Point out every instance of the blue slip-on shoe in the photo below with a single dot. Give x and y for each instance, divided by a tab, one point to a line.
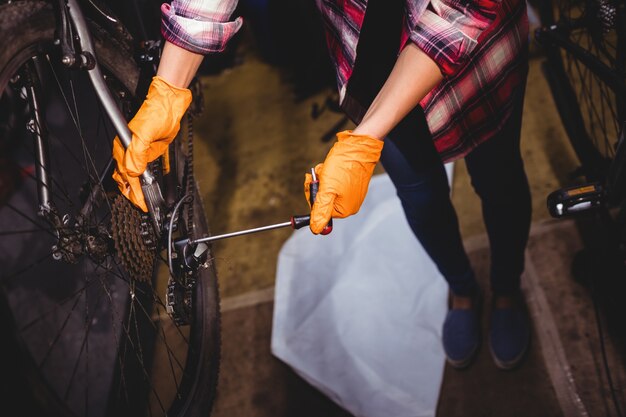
461	334
509	335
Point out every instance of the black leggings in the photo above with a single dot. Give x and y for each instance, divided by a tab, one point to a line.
497	174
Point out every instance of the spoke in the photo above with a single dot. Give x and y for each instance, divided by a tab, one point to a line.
84	345
605	123
64	194
586	95
78	126
86	154
162	304
169	356
37	163
132	320
31	323
75	367
137	356
7	279
115	318
87	329
106	217
120	275
108	134
120	358
67	103
169	350
69	150
603	52
58	335
597	101
609	98
76	121
28	231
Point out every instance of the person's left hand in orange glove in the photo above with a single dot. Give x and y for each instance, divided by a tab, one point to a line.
153	128
344	177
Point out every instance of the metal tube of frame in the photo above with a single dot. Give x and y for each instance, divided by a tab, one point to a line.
95	75
36	126
152	192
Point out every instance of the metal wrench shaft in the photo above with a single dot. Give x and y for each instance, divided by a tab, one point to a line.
242	232
295	223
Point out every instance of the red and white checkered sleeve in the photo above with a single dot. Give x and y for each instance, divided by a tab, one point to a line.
200	26
448	30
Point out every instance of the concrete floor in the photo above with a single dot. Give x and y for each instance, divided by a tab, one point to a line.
254	143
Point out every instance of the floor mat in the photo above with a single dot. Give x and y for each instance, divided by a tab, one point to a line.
359	313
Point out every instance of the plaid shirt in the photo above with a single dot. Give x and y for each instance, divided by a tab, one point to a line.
200	26
479	93
479	45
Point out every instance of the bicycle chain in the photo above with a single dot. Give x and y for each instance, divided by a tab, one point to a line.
136	242
179	295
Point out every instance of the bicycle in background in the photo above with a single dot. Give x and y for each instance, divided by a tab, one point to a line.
585	46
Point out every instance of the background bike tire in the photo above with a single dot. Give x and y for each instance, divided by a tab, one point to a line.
27	23
595	157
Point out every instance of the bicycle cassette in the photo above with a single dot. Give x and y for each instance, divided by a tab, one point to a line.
134	237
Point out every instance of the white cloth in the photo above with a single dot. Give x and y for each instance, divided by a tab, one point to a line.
358	313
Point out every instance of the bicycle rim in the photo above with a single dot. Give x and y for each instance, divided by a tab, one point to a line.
99	340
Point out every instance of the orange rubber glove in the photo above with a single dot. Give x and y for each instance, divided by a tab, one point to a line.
153	128
344	177
129	186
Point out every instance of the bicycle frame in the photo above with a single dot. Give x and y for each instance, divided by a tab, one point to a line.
86	59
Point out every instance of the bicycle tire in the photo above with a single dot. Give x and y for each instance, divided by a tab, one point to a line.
118	360
592	112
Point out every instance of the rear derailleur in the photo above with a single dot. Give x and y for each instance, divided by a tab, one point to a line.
184	260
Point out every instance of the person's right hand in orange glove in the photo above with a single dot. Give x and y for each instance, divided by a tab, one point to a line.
153	128
344	177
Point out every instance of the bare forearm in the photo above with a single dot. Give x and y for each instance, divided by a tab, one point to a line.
413	76
178	66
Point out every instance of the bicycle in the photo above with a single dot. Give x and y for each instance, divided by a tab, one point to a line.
584	42
107	317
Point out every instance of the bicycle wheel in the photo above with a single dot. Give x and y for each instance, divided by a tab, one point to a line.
93	338
584	42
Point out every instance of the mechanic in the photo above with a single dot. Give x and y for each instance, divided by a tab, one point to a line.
426	82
